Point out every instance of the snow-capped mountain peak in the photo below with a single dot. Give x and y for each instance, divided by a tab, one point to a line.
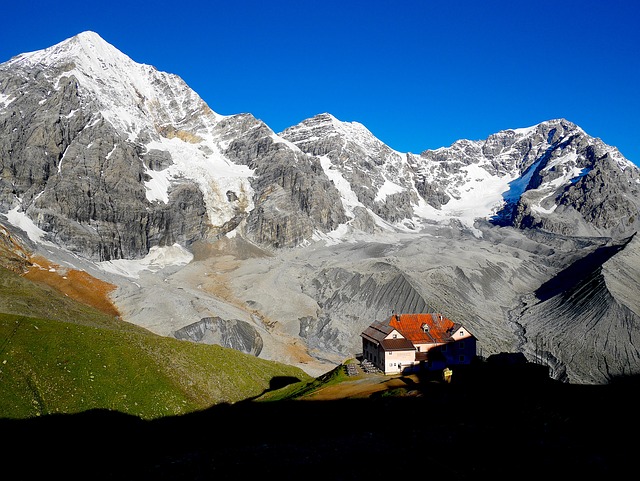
132	95
190	171
514	176
87	47
325	125
118	119
367	172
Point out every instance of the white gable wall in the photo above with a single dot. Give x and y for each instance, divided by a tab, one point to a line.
461	333
395	334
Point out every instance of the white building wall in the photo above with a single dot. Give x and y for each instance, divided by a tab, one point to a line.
396	360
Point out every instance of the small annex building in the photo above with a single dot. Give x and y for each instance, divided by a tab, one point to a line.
413	342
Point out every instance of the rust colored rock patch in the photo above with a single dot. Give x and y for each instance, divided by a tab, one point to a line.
78	285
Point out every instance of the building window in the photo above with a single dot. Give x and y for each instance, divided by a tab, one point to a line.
390	352
395	336
461	332
461	344
444	348
461	358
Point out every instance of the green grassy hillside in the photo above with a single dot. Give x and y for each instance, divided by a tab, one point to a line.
61	356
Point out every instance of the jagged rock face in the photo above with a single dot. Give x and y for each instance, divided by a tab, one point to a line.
84	186
567	185
78	176
377	175
13	254
235	334
293	195
543	176
588	205
33	140
111	157
614	211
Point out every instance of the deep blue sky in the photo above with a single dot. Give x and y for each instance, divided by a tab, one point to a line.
418	74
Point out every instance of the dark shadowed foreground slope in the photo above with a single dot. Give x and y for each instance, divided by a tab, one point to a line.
500	424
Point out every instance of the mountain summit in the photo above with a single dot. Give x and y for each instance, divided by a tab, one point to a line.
131	95
96	145
294	242
85	109
515	177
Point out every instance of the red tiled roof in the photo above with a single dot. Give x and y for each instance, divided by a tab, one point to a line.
410	326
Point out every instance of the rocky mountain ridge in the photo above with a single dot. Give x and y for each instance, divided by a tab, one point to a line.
216	229
515	177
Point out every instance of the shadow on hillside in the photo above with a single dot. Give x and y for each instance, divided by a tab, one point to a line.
276	382
494	423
